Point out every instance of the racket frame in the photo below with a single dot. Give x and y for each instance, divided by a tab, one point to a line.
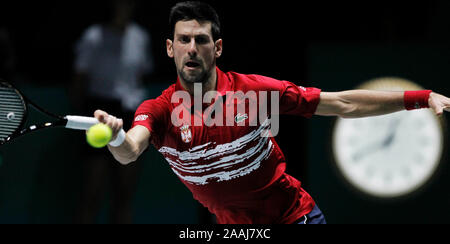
22	129
69	121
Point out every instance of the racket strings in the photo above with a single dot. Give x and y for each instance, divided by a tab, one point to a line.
12	111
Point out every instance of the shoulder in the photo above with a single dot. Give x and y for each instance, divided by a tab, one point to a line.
93	33
158	105
138	31
254	82
138	28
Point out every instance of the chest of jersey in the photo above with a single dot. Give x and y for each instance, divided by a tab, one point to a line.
230	143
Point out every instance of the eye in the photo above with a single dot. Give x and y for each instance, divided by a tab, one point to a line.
184	39
202	40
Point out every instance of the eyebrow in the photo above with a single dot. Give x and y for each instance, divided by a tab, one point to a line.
197	35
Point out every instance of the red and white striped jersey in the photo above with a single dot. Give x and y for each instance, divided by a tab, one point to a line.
237	171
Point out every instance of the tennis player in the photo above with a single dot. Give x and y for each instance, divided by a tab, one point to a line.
237	171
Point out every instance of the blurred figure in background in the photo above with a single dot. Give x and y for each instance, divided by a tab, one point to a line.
111	60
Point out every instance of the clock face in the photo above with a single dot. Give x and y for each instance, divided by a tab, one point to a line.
390	155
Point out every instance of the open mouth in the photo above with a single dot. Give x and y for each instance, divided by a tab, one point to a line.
192	64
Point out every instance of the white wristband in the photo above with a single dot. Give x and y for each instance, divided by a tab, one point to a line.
119	139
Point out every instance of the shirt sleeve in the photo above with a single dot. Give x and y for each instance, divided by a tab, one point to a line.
153	115
298	100
293	99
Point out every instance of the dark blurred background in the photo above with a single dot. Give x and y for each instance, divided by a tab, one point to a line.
333	45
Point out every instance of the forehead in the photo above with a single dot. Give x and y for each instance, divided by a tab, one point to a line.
193	27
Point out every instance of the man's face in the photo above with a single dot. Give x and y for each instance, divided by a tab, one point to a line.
194	50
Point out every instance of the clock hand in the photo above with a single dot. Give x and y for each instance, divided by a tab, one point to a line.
392	132
365	151
374	147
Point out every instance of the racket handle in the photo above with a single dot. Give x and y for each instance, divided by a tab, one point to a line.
84	123
119	139
80	122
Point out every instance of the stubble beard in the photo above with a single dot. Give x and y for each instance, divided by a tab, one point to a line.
200	77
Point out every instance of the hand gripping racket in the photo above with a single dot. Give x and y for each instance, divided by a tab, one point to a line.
14	110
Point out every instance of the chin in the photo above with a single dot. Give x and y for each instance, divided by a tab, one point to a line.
197	78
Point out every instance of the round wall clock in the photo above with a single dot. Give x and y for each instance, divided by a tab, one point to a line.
392	155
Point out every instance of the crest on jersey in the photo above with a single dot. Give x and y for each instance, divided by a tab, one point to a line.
186	134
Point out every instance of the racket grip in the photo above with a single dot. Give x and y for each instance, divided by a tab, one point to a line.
80	122
84	123
119	139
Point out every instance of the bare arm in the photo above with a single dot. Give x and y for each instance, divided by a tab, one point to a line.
136	140
364	103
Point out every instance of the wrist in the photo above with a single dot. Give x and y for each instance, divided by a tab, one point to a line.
416	99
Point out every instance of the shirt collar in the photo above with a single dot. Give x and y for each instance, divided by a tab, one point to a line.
224	84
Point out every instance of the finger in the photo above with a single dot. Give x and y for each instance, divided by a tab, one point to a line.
116	126
101	115
120	124
447	105
110	121
439	111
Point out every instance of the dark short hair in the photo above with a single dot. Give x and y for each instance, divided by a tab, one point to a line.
195	10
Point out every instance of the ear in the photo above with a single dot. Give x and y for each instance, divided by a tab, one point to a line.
218	47
169	46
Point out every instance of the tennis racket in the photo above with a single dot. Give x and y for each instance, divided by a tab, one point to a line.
13	115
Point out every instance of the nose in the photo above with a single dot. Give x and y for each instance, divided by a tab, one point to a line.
192	51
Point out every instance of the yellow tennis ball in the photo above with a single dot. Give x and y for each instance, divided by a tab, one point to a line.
99	135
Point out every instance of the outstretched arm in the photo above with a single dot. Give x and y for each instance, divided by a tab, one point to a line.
364	103
136	140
